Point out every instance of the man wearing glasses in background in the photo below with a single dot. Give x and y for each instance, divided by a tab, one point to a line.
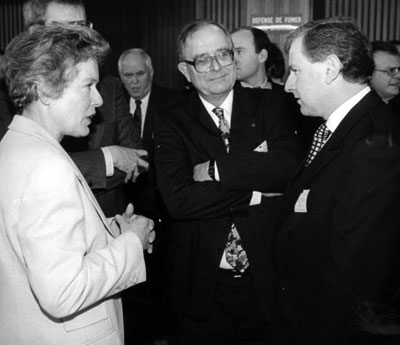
110	155
216	151
386	77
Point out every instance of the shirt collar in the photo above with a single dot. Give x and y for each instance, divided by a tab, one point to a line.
339	114
265	85
226	105
143	105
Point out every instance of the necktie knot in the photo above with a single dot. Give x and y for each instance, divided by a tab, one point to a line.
321	136
323	132
219	112
138	102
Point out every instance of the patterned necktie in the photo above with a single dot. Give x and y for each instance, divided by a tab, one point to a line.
223	127
137	117
320	138
235	254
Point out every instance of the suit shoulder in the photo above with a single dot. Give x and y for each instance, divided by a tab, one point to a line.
385	122
165	96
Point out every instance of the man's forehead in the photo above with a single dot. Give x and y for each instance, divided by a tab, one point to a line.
207	40
56	12
133	62
242	35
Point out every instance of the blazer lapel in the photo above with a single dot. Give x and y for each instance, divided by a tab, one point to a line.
87	189
93	201
22	124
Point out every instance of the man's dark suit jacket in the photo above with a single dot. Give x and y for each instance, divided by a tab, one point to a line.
338	254
112	125
203	211
144	192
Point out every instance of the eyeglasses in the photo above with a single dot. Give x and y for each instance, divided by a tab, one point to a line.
203	63
391	72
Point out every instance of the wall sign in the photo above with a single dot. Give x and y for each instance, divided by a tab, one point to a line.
276	23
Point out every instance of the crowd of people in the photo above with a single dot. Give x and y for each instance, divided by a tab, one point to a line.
258	205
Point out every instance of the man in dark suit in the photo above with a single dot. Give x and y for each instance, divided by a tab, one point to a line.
338	252
216	150
146	99
253	54
385	79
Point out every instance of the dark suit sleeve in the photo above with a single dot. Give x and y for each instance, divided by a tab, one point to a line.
265	171
92	165
184	198
364	242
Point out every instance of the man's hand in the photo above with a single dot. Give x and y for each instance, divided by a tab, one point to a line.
130	161
200	172
143	227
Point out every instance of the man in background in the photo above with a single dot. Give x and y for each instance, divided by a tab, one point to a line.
146	99
252	54
110	155
386	77
338	253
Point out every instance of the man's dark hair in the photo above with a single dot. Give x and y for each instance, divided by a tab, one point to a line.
275	64
341	37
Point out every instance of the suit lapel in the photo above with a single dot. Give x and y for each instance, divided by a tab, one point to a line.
149	118
243	121
206	126
343	136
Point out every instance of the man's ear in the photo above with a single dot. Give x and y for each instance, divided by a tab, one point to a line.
183	68
333	68
263	55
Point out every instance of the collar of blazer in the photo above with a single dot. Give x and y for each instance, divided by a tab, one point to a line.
25	125
345	135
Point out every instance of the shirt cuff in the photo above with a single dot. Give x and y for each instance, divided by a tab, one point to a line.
109	161
216	174
256	199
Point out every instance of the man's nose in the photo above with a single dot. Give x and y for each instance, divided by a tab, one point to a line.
289	85
215	65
